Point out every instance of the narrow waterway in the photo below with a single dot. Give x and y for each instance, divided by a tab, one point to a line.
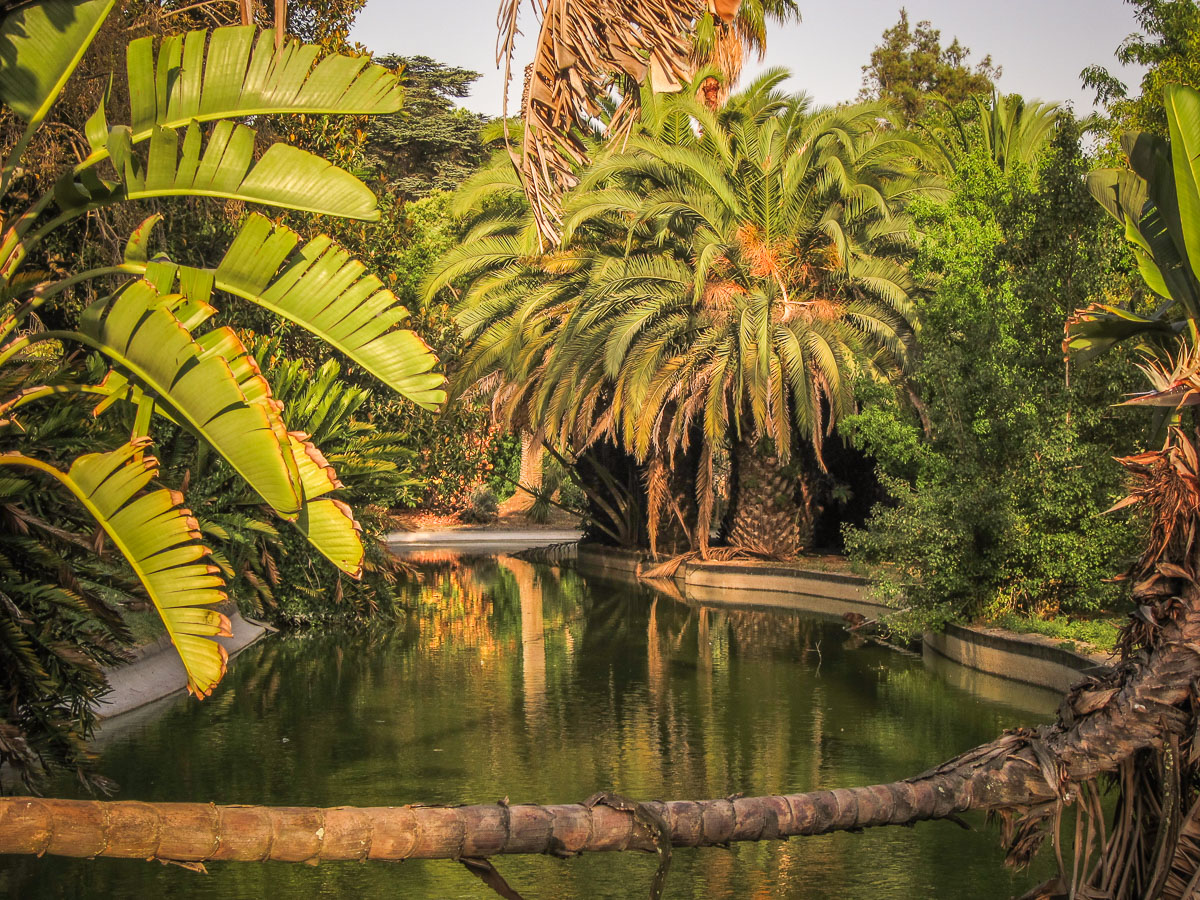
532	683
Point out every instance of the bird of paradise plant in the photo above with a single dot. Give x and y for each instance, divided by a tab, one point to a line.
151	323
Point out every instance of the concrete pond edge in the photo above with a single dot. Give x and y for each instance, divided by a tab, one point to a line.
1025	658
156	670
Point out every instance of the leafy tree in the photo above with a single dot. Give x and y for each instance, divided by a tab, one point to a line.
430	145
1169	48
911	64
997	495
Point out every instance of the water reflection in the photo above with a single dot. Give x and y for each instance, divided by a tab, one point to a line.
510	679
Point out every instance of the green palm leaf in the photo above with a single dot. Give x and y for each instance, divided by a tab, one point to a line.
225	167
1183	117
322	289
160	539
328	524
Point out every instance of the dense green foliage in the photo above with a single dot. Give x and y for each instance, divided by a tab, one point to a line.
431	145
997	497
1169	47
133	352
911	65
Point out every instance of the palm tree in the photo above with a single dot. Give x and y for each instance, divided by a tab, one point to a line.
583	49
722	42
767	271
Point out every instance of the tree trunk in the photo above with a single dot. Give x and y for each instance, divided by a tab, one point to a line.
672	510
1019	770
530	477
771	510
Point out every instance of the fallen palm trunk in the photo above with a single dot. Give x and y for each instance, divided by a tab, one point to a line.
1018	770
1100	727
197	832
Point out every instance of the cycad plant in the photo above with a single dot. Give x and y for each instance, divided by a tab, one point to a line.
150	320
1006	128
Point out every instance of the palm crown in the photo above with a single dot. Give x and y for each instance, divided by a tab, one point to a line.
723	275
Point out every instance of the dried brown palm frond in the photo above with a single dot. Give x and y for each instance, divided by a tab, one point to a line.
1165	483
716	554
585	51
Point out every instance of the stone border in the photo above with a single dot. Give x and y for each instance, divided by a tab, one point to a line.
156	670
1026	658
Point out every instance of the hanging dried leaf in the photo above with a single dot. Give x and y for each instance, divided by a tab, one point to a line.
584	52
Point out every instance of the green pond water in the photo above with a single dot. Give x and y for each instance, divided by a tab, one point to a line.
532	683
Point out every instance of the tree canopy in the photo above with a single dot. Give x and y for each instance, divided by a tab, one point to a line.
911	63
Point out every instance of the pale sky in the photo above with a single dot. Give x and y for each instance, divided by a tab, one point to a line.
1042	45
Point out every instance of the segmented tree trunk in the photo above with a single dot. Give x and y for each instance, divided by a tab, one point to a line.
1020	770
771	508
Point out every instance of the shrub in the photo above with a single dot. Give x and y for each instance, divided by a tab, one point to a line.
482	506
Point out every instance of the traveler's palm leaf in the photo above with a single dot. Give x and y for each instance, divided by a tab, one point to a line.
204	76
224	167
324	290
137	330
160	540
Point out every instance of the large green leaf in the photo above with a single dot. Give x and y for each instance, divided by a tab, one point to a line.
40	46
1144	203
1183	117
324	290
1097	328
160	539
137	329
328	524
224	167
237	74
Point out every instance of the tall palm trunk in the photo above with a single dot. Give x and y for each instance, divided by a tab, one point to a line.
772	508
530	476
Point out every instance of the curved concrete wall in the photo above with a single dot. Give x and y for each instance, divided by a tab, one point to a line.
1029	659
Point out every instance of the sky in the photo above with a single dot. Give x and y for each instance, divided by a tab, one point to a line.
1042	45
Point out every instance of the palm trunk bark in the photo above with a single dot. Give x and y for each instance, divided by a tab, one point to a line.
1019	770
530	476
772	511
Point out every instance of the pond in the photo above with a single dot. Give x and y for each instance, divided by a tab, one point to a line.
532	683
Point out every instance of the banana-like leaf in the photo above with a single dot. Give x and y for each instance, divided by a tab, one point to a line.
239	74
328	524
224	167
138	331
40	46
160	539
326	292
1144	203
1098	328
1183	116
